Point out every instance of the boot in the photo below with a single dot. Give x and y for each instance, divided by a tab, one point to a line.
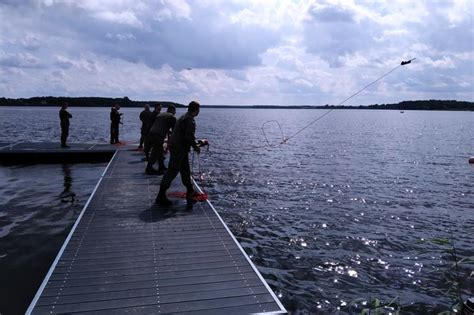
161	169
190	194
151	171
162	199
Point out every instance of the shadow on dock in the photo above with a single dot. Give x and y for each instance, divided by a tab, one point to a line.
156	213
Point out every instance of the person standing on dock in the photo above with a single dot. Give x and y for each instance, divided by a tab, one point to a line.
64	116
146	117
180	143
162	127
114	124
155	113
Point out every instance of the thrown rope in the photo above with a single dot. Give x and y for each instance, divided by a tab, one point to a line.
285	139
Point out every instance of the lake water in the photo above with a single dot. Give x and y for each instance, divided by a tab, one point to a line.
357	207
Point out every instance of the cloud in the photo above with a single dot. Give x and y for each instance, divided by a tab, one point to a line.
335	31
19	60
87	65
237	51
156	33
444	63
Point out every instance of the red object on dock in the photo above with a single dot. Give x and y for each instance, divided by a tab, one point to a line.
196	196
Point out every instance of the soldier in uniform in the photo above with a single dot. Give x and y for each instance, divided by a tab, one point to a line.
64	116
114	124
164	123
181	142
155	113
146	119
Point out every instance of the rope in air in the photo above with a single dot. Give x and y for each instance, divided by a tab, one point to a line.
203	196
285	139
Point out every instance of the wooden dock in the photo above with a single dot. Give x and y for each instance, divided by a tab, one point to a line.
125	254
50	152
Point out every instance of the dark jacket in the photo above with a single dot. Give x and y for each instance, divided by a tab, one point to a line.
114	116
183	134
146	117
154	113
164	122
64	116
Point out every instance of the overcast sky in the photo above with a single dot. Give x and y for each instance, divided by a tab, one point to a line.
237	52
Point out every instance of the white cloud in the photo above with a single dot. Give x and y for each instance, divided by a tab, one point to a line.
239	51
444	63
124	17
20	60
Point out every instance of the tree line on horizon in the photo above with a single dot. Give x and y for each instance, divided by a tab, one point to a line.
81	102
126	102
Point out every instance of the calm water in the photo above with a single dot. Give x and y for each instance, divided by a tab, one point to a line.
354	208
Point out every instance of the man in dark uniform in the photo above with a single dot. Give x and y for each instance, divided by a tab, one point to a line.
114	124
164	122
64	117
146	119
181	142
155	113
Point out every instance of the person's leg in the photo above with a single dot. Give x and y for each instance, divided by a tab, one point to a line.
153	156
174	167
66	134
112	134
142	138
160	157
63	138
185	172
147	147
117	127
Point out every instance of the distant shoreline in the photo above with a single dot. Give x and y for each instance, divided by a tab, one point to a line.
125	102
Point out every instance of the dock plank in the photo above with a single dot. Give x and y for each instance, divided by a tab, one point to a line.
126	254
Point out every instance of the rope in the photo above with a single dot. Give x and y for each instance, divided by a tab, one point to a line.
285	140
197	197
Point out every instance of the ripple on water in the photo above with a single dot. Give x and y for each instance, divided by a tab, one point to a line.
35	217
360	189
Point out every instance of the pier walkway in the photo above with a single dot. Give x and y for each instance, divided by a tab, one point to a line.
50	152
125	254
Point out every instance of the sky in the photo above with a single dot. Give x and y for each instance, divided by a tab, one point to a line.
238	52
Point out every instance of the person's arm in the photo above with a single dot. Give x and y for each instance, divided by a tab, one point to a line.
172	123
189	134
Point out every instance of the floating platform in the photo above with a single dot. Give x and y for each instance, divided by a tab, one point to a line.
125	254
50	153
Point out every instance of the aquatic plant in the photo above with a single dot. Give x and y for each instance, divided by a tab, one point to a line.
375	307
452	275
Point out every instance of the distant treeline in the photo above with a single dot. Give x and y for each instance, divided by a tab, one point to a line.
126	102
426	105
405	105
81	102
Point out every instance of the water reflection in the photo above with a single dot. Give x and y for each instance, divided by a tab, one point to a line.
67	195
